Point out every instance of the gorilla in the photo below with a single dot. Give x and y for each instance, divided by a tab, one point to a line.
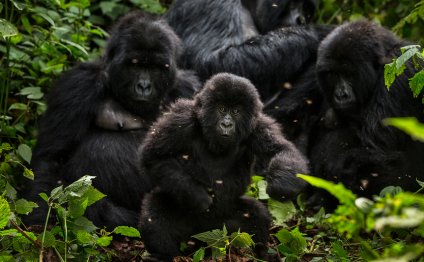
200	156
352	145
266	41
99	112
247	38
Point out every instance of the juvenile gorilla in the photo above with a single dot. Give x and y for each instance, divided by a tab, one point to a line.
353	145
201	155
99	112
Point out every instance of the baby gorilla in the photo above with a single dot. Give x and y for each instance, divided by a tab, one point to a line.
201	154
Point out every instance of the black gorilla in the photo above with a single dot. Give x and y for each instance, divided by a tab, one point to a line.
99	112
200	156
265	41
353	146
246	38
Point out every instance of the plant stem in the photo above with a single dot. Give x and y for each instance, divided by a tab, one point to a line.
36	243
66	236
44	233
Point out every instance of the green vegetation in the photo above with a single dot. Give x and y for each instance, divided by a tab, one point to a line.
41	39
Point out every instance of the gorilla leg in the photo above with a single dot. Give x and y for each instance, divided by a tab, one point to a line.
164	226
250	216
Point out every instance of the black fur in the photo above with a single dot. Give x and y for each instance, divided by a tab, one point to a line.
99	112
245	38
267	42
202	171
353	145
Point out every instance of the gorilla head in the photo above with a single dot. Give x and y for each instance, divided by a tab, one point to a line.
351	62
270	14
227	108
141	62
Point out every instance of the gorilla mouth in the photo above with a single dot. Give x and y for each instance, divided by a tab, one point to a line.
226	133
343	102
144	94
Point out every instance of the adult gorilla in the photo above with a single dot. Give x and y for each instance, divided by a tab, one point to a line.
99	112
266	41
200	156
354	146
246	38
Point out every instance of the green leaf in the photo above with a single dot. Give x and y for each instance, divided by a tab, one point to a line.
4	212
104	241
4	257
93	195
82	49
25	152
56	192
77	207
409	125
242	240
49	239
10	232
85	238
262	185
389	74
83	223
24	207
10	191
5	147
199	255
46	17
281	211
126	231
292	242
421	183
416	83
44	196
18	106
410	218
338	250
211	237
7	29
390	190
344	195
28	173
79	187
31	92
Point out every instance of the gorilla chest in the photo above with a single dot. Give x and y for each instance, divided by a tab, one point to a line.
225	174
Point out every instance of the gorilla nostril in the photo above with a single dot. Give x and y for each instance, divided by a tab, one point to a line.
143	84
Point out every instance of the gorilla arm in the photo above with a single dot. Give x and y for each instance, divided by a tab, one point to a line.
279	159
67	120
162	156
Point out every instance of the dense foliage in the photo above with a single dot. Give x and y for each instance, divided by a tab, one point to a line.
41	39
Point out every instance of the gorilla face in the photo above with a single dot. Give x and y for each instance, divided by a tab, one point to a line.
141	63
227	108
271	14
349	67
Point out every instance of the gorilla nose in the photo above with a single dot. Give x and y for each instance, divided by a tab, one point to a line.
144	87
143	84
226	124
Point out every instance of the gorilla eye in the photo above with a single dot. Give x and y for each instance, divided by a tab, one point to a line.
236	111
134	61
222	109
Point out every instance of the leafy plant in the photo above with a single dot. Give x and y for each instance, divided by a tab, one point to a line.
389	217
219	242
